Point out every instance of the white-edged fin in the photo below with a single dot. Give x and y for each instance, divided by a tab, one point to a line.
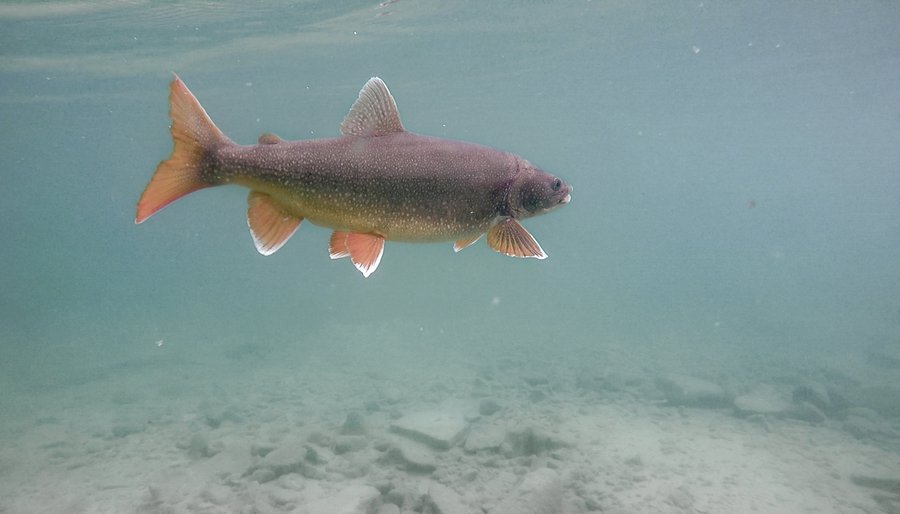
510	237
337	247
374	113
466	242
269	224
365	251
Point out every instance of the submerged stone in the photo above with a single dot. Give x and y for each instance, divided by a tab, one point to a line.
765	399
409	456
439	428
484	437
691	391
540	492
444	500
356	499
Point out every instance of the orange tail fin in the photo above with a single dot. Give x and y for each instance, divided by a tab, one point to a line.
194	135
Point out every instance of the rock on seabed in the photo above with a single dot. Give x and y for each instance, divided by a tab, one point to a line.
440	428
356	499
540	492
691	391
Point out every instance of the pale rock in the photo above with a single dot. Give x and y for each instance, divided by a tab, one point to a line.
488	406
320	456
217	494
526	441
283	498
808	412
540	492
262	475
480	388
814	393
199	446
354	424
261	449
410	456
885	355
536	380
765	399
883	399
887	484
600	382
126	429
350	466
388	508
356	499
231	460
288	457
440	428
392	395
321	439
864	412
349	443
409	494
214	417
691	391
444	500
482	437
681	498
865	423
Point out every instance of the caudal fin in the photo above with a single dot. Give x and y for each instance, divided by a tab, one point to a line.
194	135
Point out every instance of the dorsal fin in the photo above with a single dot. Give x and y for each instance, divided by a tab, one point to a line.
269	139
374	113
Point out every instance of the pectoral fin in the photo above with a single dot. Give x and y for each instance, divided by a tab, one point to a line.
465	242
364	250
510	237
270	225
337	247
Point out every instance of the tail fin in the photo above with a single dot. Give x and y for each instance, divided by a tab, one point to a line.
194	135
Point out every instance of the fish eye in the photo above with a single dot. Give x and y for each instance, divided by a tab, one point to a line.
557	184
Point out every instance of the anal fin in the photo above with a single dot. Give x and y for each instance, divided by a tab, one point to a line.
510	237
270	225
365	250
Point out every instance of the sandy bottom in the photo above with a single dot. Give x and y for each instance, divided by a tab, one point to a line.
176	430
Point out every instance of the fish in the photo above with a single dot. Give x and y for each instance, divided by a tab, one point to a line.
376	182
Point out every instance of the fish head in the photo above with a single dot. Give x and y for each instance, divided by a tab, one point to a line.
534	191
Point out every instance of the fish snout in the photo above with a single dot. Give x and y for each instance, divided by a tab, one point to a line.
568	197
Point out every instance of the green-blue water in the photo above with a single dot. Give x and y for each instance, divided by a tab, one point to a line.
736	204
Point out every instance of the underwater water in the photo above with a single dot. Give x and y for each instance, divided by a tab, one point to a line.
716	329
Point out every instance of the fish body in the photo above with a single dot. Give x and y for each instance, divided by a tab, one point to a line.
377	182
402	186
